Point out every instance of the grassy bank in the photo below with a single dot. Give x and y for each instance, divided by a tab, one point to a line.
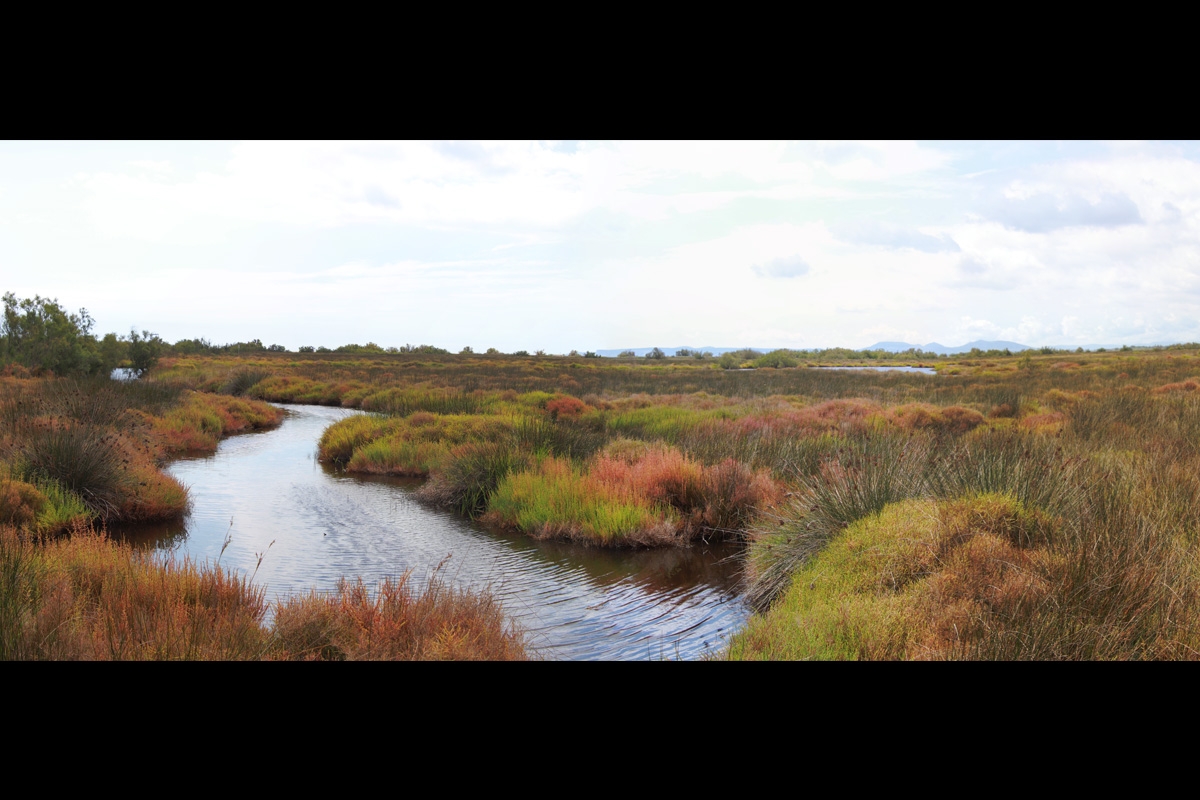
85	597
83	450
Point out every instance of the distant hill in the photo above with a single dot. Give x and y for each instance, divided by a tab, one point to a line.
941	349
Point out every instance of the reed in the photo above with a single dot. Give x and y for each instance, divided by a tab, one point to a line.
89	598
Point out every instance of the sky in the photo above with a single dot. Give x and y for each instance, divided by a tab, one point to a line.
558	245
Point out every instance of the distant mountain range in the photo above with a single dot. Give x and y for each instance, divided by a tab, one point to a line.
891	347
941	349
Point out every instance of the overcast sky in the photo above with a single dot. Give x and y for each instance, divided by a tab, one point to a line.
591	245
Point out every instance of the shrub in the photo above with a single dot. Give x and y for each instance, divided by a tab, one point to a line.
777	359
84	460
469	477
144	350
241	381
40	335
20	503
566	407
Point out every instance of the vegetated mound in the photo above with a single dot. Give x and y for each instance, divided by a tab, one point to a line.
922	579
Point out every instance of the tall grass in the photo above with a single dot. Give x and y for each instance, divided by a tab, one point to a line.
89	598
395	623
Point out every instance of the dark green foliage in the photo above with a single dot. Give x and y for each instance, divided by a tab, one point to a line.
40	335
369	347
144	349
189	347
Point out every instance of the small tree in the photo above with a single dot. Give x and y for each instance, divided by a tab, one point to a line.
656	353
113	350
466	351
627	354
143	351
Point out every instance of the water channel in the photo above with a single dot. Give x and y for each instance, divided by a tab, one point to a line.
267	494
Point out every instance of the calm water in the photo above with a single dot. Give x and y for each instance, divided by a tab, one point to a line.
576	602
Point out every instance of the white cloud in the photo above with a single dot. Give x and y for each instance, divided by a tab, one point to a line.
785	267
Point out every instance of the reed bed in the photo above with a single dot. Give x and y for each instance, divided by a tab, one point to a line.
86	597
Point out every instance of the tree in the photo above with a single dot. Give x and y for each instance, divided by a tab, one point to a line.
656	353
113	350
144	350
627	354
41	335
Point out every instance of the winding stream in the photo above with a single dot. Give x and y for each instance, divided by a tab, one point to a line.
574	602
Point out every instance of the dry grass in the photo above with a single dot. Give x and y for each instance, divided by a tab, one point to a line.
85	597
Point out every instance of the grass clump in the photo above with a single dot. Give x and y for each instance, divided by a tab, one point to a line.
396	623
921	579
88	598
557	500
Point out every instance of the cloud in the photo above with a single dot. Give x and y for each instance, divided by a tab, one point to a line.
875	161
786	267
884	234
1047	211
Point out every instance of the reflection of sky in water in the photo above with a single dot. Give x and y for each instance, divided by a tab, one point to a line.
270	495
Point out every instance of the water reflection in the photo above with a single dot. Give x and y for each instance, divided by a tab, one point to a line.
313	524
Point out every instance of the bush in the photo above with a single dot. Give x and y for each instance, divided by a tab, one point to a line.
83	460
777	359
40	335
143	351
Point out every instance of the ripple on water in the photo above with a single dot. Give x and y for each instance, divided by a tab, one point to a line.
268	493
